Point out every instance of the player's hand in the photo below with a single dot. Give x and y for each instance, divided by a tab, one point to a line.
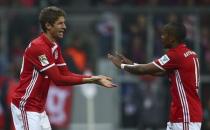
104	81
115	60
123	59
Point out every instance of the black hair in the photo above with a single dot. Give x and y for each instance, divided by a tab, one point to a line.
50	15
178	30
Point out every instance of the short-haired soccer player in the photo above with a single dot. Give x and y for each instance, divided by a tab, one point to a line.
182	67
43	63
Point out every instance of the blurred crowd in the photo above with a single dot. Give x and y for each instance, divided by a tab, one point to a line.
83	50
105	3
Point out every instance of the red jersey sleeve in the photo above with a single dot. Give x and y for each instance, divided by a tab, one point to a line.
40	57
169	61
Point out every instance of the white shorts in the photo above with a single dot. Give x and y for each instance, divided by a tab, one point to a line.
29	120
187	126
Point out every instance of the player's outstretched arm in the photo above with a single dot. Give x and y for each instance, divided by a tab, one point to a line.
139	69
65	80
100	80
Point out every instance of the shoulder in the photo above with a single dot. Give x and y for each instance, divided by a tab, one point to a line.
37	46
172	52
39	42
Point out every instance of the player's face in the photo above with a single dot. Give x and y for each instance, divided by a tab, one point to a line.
58	28
165	38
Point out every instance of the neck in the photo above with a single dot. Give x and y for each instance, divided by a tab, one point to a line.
175	44
50	37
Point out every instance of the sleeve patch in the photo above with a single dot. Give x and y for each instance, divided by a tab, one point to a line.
164	59
43	60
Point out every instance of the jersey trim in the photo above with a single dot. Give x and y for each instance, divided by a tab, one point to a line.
54	47
158	66
197	78
62	64
47	67
29	89
25	120
183	98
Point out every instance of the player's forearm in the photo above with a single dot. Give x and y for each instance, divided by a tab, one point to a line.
64	80
65	71
71	80
137	69
141	69
61	80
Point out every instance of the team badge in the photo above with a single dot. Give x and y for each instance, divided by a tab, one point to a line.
43	60
164	59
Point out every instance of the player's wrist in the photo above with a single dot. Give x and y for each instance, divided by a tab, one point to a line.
122	66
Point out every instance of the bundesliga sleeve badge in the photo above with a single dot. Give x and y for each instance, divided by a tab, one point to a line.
164	59
43	60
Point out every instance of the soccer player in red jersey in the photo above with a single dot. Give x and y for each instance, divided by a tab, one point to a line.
182	67
43	63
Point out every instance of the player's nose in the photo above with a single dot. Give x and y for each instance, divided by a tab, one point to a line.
64	26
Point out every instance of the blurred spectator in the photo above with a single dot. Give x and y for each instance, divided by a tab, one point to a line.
206	105
106	3
25	3
134	36
105	31
43	3
130	98
3	60
5	3
17	50
205	46
190	22
154	103
153	2
76	56
137	51
207	115
143	100
7	86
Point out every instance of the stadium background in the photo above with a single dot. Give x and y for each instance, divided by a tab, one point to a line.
98	27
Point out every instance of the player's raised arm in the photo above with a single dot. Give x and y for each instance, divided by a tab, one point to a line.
141	69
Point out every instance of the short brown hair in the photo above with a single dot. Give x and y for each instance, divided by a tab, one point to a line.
50	15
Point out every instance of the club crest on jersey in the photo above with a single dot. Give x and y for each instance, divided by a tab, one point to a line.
43	60
164	59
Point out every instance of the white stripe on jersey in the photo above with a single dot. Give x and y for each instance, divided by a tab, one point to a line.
196	72
158	66
63	64
47	67
29	89
183	97
54	47
25	120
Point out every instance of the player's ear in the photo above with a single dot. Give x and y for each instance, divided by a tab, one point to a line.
48	26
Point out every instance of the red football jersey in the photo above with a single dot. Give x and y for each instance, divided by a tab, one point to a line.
182	67
40	55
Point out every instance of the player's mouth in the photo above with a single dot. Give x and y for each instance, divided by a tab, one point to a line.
61	33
